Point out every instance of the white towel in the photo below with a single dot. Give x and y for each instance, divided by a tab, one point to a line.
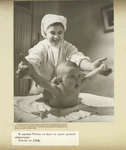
34	106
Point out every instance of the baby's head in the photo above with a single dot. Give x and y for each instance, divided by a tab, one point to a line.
53	28
69	74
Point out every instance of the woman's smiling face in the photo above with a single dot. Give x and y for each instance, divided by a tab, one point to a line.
55	34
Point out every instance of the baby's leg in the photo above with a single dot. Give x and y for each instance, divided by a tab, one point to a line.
97	110
63	111
84	107
104	111
66	111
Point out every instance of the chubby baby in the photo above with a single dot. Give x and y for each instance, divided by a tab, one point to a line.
63	91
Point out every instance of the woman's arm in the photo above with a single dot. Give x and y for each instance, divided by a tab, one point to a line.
80	59
77	57
88	65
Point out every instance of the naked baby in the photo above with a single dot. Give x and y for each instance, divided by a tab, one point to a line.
65	87
63	92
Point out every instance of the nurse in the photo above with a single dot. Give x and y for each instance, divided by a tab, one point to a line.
49	53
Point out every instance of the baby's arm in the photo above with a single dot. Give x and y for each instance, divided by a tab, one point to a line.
41	81
93	74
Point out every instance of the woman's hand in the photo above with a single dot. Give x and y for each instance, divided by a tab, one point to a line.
98	63
24	68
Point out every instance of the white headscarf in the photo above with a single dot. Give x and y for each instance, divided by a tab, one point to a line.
50	19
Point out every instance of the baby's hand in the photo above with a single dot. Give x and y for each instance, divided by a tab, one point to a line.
24	68
102	66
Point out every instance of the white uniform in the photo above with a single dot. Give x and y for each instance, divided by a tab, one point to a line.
45	57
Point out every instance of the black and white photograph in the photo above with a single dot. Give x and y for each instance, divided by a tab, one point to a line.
63	61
